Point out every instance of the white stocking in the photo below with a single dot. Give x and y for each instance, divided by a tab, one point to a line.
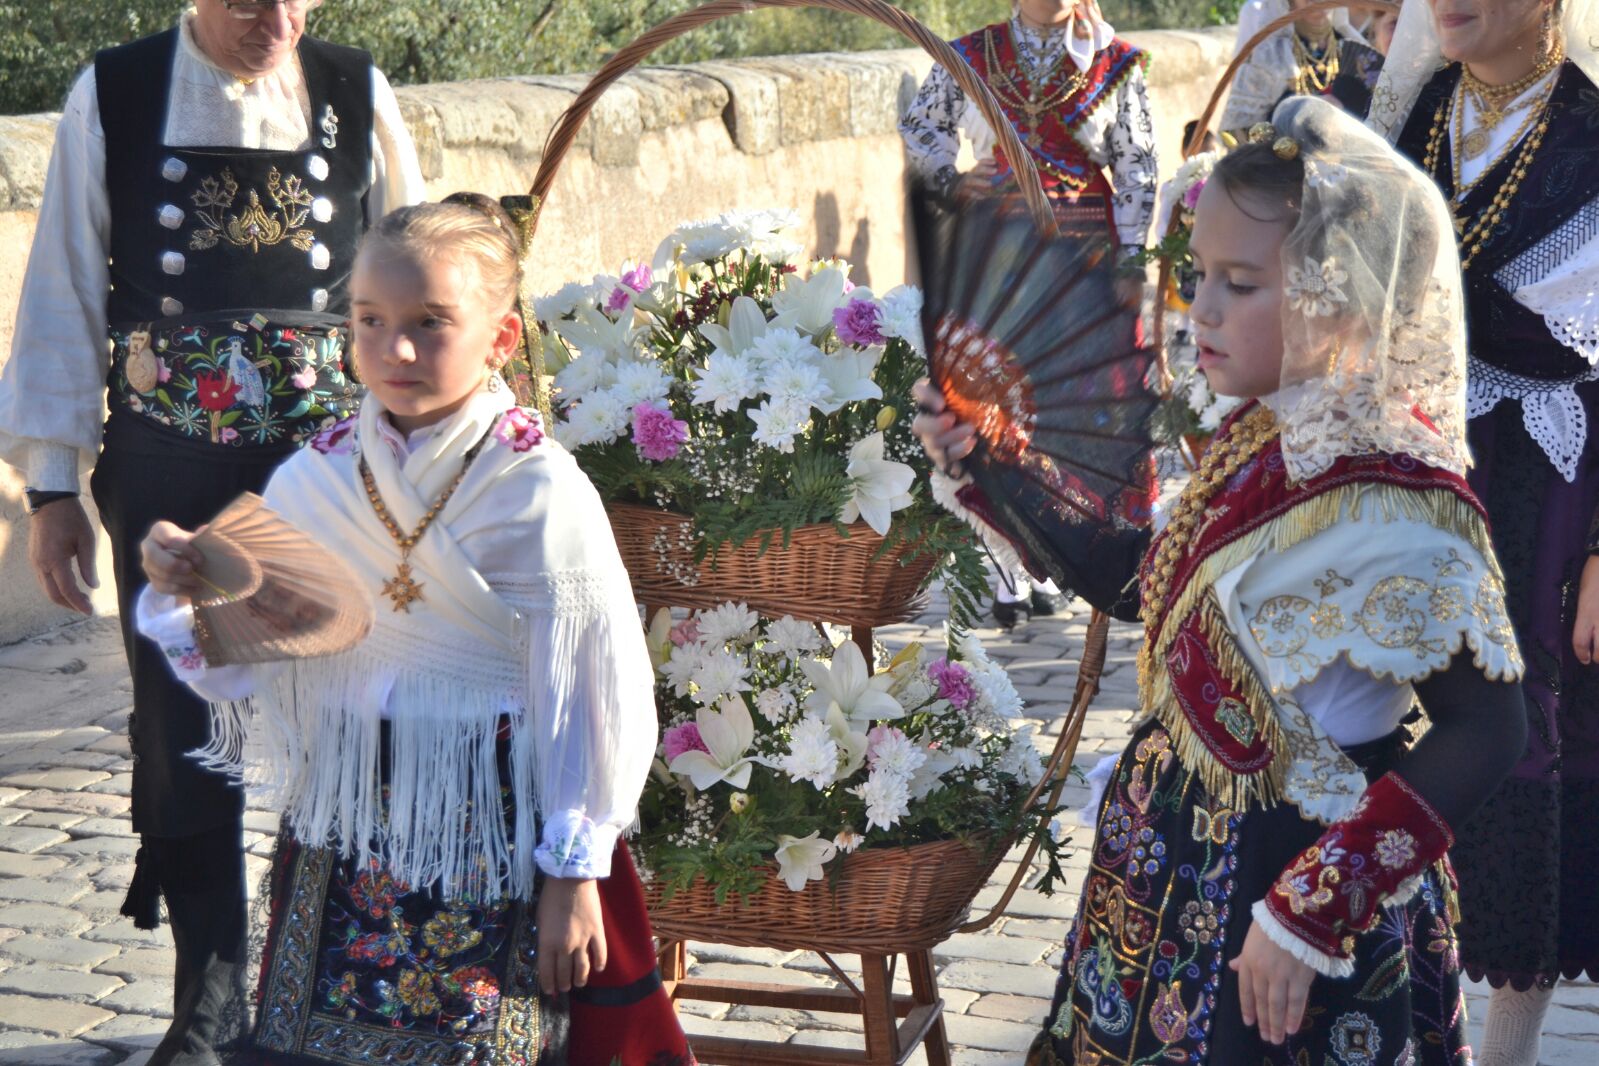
1514	1027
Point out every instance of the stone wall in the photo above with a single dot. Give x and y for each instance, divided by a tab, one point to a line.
815	133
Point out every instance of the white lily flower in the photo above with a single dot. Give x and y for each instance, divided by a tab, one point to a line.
800	859
808	305
880	486
593	333
728	733
848	375
659	637
845	685
852	746
746	324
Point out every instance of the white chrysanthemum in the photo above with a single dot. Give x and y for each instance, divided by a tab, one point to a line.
993	684
638	383
796	380
902	315
555	306
679	668
791	637
776	705
895	753
584	375
720	673
1021	759
778	423
695	242
760	232
967	758
848	840
725	623
887	798
812	754
601	418
780	345
727	381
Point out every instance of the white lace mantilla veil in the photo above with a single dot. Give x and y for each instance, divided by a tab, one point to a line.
1415	56
1372	327
1264	77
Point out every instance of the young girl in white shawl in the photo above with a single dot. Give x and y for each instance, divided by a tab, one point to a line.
449	885
1267	881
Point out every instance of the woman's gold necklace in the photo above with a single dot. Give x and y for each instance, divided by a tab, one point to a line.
1473	235
1495	103
403	589
1316	73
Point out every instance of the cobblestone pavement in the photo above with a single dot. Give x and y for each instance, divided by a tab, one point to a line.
80	986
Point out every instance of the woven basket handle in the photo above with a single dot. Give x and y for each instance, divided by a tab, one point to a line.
1089	671
1021	160
1203	125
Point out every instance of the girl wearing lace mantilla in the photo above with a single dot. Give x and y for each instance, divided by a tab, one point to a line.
449	884
1268	880
1075	93
1318	55
1498	102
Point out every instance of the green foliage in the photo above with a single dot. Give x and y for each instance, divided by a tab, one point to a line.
44	43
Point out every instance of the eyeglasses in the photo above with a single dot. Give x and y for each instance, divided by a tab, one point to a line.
253	9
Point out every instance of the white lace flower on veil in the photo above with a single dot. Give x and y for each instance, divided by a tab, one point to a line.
1314	289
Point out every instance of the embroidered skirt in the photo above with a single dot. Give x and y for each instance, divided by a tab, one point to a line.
358	969
1166	906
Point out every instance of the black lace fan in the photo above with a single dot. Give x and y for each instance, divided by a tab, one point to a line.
1030	344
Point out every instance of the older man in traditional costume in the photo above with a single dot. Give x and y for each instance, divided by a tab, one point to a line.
199	222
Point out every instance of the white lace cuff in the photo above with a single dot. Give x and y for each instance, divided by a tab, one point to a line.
1303	950
52	467
575	847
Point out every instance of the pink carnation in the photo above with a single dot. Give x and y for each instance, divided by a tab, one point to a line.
656	433
685	632
519	430
681	738
639	278
954	683
1191	197
857	322
620	299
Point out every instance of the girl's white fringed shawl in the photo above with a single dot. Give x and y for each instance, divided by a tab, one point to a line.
527	623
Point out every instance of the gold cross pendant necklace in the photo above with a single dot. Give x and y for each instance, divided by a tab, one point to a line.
403	589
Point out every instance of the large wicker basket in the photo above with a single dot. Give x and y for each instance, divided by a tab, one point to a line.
818	575
883	900
886	899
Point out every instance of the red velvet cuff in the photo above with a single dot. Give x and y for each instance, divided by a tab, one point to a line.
1335	887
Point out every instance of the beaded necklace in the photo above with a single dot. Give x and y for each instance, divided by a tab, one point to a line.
1241	442
1474	234
403	589
1315	72
1029	101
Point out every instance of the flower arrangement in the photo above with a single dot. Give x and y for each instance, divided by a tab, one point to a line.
722	382
780	748
1193	409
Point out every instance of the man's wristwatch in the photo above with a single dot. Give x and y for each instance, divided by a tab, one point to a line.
38	498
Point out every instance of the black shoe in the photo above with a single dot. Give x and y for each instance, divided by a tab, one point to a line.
1045	604
1008	614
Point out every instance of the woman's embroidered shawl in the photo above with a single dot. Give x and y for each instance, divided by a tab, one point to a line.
1388	606
526	634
